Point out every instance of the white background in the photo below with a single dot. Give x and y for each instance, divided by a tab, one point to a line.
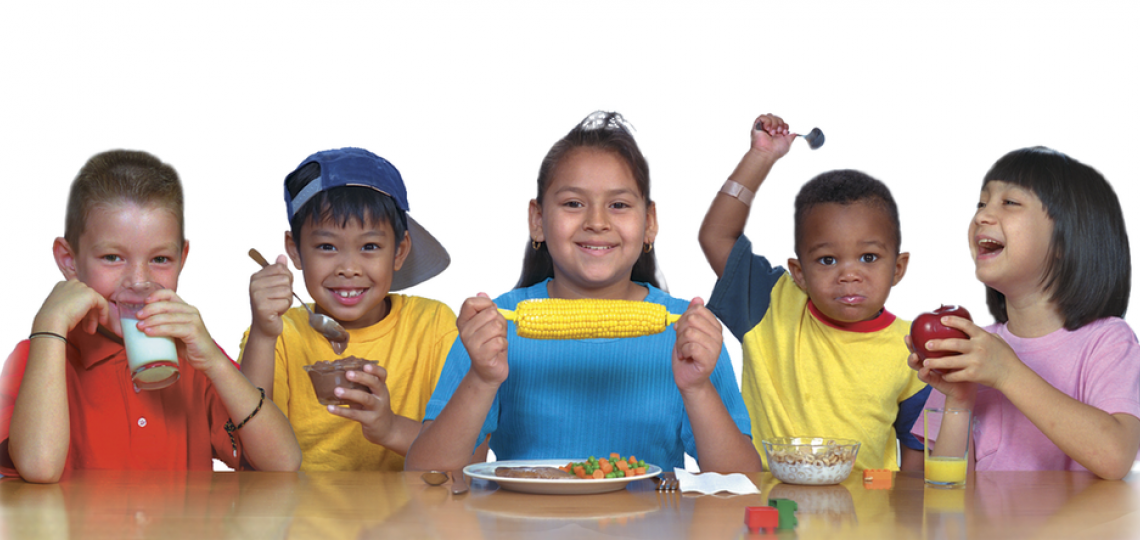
465	98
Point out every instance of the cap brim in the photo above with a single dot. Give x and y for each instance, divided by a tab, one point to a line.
426	260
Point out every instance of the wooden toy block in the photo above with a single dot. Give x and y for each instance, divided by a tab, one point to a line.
761	517
878	479
787	510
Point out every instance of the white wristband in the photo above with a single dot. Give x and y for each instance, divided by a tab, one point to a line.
735	189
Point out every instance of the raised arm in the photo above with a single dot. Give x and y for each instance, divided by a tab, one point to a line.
446	443
721	447
725	220
270	295
267	437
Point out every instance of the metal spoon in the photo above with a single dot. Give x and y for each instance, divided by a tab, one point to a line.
434	478
323	324
458	483
814	139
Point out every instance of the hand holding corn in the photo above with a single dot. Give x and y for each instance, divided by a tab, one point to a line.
483	332
558	318
699	342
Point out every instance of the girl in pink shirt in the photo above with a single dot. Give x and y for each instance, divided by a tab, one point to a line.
1055	383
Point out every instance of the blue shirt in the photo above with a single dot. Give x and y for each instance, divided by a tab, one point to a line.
570	399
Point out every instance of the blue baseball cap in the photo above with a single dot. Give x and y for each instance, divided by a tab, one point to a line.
359	167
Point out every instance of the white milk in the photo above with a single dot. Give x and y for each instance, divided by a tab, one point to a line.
143	349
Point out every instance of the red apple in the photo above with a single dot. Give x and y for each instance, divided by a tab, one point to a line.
928	326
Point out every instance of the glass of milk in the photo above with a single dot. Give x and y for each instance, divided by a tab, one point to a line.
153	361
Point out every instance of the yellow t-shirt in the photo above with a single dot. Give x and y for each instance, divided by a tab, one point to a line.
802	377
411	343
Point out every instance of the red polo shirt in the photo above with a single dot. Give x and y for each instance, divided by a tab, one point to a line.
113	426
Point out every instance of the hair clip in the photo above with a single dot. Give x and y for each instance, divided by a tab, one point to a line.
606	120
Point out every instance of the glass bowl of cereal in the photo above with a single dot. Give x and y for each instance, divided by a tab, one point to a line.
810	460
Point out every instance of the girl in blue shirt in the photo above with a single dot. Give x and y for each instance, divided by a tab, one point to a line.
658	397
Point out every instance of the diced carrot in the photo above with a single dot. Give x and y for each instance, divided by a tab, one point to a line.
639	471
598	474
615	455
632	459
623	466
606	468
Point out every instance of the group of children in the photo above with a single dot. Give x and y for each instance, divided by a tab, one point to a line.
1054	384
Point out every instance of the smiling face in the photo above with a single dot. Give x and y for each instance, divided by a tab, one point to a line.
348	270
848	262
1010	239
595	222
125	243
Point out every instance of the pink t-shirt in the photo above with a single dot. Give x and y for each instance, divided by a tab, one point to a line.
1098	364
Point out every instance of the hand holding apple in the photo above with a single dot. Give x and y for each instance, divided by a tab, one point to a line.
928	326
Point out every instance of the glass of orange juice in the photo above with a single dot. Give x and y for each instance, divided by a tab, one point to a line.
946	445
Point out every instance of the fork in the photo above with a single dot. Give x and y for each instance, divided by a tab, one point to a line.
667	482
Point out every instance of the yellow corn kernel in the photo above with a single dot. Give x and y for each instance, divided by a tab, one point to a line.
557	318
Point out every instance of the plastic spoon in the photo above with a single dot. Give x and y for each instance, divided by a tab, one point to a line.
323	324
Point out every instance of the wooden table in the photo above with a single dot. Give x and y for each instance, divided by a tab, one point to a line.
100	504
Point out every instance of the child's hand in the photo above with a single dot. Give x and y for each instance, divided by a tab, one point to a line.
270	296
699	341
373	411
960	392
483	331
70	304
985	358
771	135
167	315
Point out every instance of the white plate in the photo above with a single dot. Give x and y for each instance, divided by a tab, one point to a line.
575	486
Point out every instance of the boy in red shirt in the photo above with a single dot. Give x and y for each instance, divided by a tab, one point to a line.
82	411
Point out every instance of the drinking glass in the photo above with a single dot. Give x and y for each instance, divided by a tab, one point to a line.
153	361
946	445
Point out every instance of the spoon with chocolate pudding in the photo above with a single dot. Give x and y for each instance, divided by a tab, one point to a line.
323	324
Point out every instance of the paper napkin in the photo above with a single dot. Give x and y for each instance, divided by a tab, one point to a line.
710	482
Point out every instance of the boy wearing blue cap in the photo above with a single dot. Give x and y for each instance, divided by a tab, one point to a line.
354	243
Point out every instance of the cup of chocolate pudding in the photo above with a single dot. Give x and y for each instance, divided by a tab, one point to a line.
327	376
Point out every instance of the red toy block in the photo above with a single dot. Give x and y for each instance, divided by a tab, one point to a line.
878	478
761	517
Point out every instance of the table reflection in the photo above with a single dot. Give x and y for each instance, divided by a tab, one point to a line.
150	504
174	505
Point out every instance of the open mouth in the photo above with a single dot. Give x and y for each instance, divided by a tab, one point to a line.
989	246
591	247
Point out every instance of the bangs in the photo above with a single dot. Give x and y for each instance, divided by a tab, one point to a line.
1040	170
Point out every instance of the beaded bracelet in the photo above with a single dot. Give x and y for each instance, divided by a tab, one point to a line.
47	334
230	428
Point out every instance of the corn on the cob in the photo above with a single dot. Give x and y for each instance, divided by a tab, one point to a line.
558	318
